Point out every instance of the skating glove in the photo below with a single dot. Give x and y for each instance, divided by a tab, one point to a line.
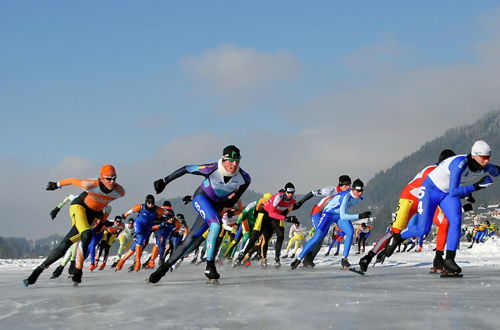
297	206
187	199
159	184
467	207
494	170
470	199
52	186
292	219
483	183
364	215
53	213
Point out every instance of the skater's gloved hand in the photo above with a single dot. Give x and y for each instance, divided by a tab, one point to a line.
159	185
53	213
52	185
483	183
467	207
470	199
292	219
230	213
187	199
494	170
364	215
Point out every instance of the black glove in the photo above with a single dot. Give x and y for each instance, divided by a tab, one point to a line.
53	213
364	215
483	183
230	213
470	199
467	207
292	219
52	186
297	206
159	184
187	199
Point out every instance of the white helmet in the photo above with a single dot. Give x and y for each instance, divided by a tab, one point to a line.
480	148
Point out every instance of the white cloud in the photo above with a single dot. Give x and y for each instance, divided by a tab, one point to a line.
230	69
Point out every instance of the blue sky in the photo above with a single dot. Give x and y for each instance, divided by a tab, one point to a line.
302	88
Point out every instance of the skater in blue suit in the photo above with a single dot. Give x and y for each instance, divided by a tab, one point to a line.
335	211
443	188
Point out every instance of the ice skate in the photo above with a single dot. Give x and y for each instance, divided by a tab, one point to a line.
277	263
159	273
438	263
365	261
345	264
57	272
211	273
295	264
33	277
263	262
393	243
76	277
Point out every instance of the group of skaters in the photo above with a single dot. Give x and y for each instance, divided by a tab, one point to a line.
481	231
225	227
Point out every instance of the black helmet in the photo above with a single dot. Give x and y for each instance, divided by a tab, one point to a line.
167	203
231	153
131	220
344	180
179	216
290	188
446	153
358	185
150	199
118	218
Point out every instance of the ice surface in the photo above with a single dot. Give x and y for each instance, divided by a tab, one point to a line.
400	294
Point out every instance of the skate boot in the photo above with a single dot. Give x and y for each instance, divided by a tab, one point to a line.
336	253
307	262
211	273
286	256
114	264
33	277
101	267
93	266
263	262
327	254
344	263
145	264
292	256
159	273
194	260
392	244
365	261
238	260
438	263
380	257
57	272
71	268
450	266
76	277
295	264
277	263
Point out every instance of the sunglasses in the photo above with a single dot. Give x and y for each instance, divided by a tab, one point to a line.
344	184
110	178
233	157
